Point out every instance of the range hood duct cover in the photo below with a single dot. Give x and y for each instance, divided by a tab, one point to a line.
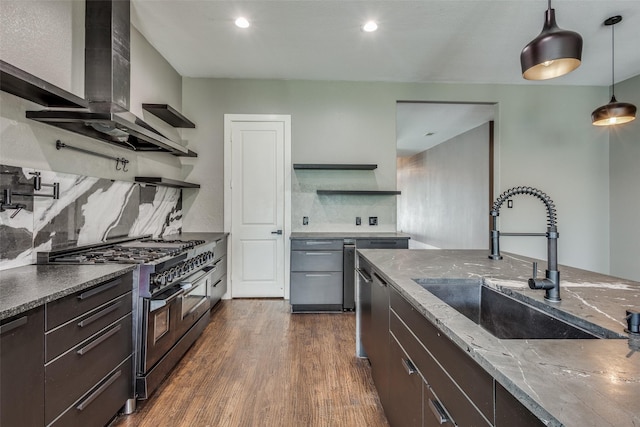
107	73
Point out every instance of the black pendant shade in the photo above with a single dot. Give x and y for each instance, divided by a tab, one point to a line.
554	53
614	113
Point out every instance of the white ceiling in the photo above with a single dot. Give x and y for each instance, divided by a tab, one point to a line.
445	121
457	41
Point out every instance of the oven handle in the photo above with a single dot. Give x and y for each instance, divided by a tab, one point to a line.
156	304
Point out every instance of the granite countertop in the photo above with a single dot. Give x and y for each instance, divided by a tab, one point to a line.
31	286
24	288
297	235
564	382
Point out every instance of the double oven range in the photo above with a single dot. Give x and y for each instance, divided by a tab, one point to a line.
171	297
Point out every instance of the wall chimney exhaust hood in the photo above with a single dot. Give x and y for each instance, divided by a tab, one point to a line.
107	86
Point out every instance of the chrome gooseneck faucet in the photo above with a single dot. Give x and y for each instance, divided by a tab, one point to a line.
551	282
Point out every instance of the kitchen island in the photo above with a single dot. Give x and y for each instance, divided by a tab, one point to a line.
575	382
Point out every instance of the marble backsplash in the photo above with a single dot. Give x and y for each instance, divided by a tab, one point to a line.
89	210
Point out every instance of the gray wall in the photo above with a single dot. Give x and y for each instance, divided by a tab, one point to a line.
445	193
624	185
543	137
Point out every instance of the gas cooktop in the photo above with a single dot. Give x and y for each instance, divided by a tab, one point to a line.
137	250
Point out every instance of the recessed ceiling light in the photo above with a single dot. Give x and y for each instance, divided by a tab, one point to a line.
370	27
242	22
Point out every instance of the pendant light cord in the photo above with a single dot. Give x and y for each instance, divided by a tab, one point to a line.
613	58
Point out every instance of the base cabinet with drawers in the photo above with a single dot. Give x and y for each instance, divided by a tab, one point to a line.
323	271
430	380
218	280
88	369
69	362
316	275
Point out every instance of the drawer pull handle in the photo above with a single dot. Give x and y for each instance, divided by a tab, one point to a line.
99	341
13	325
318	243
219	240
99	289
380	279
438	411
317	275
409	366
217	283
318	253
364	275
100	314
93	396
196	307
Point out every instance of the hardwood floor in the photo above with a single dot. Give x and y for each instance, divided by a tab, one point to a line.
258	365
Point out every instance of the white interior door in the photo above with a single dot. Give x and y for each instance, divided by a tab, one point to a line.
257	190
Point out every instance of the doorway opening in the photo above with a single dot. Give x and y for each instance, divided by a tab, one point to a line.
445	156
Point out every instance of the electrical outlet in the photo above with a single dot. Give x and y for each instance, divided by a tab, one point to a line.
373	220
305	220
358	220
509	203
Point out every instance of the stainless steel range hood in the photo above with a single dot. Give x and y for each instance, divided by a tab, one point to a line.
107	86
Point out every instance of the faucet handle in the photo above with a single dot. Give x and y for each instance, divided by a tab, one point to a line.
535	269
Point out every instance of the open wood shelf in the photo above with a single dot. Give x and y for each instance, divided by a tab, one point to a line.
156	180
17	82
358	192
334	166
169	114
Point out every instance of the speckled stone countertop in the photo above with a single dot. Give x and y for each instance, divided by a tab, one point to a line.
297	235
27	287
564	382
31	286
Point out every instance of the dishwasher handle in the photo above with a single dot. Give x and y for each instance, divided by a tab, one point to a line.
364	275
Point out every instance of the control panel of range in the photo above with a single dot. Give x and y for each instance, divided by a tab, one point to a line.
180	270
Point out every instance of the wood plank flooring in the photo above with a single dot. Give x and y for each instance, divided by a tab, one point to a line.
258	365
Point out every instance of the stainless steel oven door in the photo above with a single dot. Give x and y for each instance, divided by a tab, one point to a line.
194	300
194	294
161	319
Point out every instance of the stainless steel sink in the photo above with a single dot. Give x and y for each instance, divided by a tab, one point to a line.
499	314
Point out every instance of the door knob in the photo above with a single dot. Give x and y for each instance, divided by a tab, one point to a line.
279	232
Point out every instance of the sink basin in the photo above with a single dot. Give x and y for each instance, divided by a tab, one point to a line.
499	314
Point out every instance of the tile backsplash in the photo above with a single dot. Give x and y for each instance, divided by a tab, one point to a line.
89	210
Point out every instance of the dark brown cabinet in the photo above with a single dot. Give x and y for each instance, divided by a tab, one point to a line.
22	369
405	401
379	347
423	378
88	369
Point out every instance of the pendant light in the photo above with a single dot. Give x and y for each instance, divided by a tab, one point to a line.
554	53
614	112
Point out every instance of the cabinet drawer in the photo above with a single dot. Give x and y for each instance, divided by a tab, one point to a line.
219	269
317	245
382	243
316	260
467	374
220	249
405	402
316	288
71	375
70	334
67	308
102	402
218	289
